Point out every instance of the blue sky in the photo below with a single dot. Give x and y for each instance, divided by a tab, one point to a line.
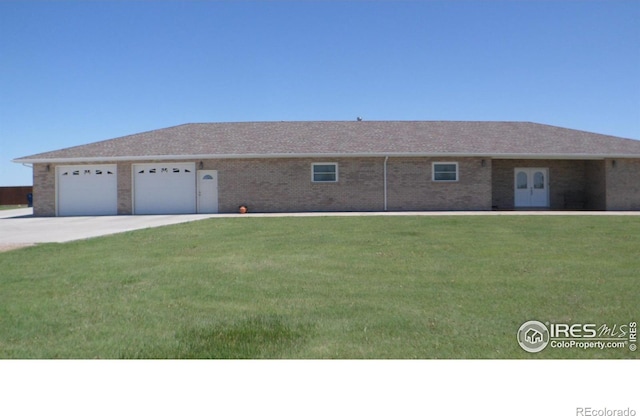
75	72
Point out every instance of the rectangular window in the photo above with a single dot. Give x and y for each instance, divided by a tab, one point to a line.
324	172
445	172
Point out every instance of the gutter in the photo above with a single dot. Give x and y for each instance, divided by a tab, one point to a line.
571	156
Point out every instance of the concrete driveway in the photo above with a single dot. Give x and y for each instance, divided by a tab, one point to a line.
19	228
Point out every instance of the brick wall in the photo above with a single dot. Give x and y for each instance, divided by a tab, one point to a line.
125	206
411	188
284	185
44	190
623	184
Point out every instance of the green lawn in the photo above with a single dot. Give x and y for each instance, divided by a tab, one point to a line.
7	207
321	287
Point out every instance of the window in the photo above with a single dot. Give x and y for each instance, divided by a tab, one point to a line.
521	180
445	172
324	172
538	180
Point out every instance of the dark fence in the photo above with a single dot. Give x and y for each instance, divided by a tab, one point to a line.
15	195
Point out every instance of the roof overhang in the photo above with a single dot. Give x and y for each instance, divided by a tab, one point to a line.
569	156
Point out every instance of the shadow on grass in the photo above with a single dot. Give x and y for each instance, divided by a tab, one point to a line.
254	337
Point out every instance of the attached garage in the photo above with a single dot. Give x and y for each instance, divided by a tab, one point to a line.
164	188
87	190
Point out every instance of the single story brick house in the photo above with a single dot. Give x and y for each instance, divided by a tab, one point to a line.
339	166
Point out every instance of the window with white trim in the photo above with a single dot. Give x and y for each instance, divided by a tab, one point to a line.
324	172
445	171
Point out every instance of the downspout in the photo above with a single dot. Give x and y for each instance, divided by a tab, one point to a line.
386	158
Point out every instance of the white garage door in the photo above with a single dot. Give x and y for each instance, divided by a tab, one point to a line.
164	188
87	190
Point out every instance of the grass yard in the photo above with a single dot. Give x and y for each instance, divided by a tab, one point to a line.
322	287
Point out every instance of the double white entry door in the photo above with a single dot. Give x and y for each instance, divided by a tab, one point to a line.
531	187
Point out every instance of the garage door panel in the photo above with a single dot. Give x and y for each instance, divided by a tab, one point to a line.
87	190
164	188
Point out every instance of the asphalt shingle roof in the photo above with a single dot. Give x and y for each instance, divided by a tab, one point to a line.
344	138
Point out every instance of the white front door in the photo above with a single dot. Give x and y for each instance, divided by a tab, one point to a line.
531	187
207	191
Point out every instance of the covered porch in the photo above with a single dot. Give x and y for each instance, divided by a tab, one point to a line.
549	184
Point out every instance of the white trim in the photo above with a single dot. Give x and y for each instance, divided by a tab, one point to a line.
162	158
433	172
313	165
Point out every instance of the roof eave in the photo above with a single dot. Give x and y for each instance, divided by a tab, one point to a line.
573	156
